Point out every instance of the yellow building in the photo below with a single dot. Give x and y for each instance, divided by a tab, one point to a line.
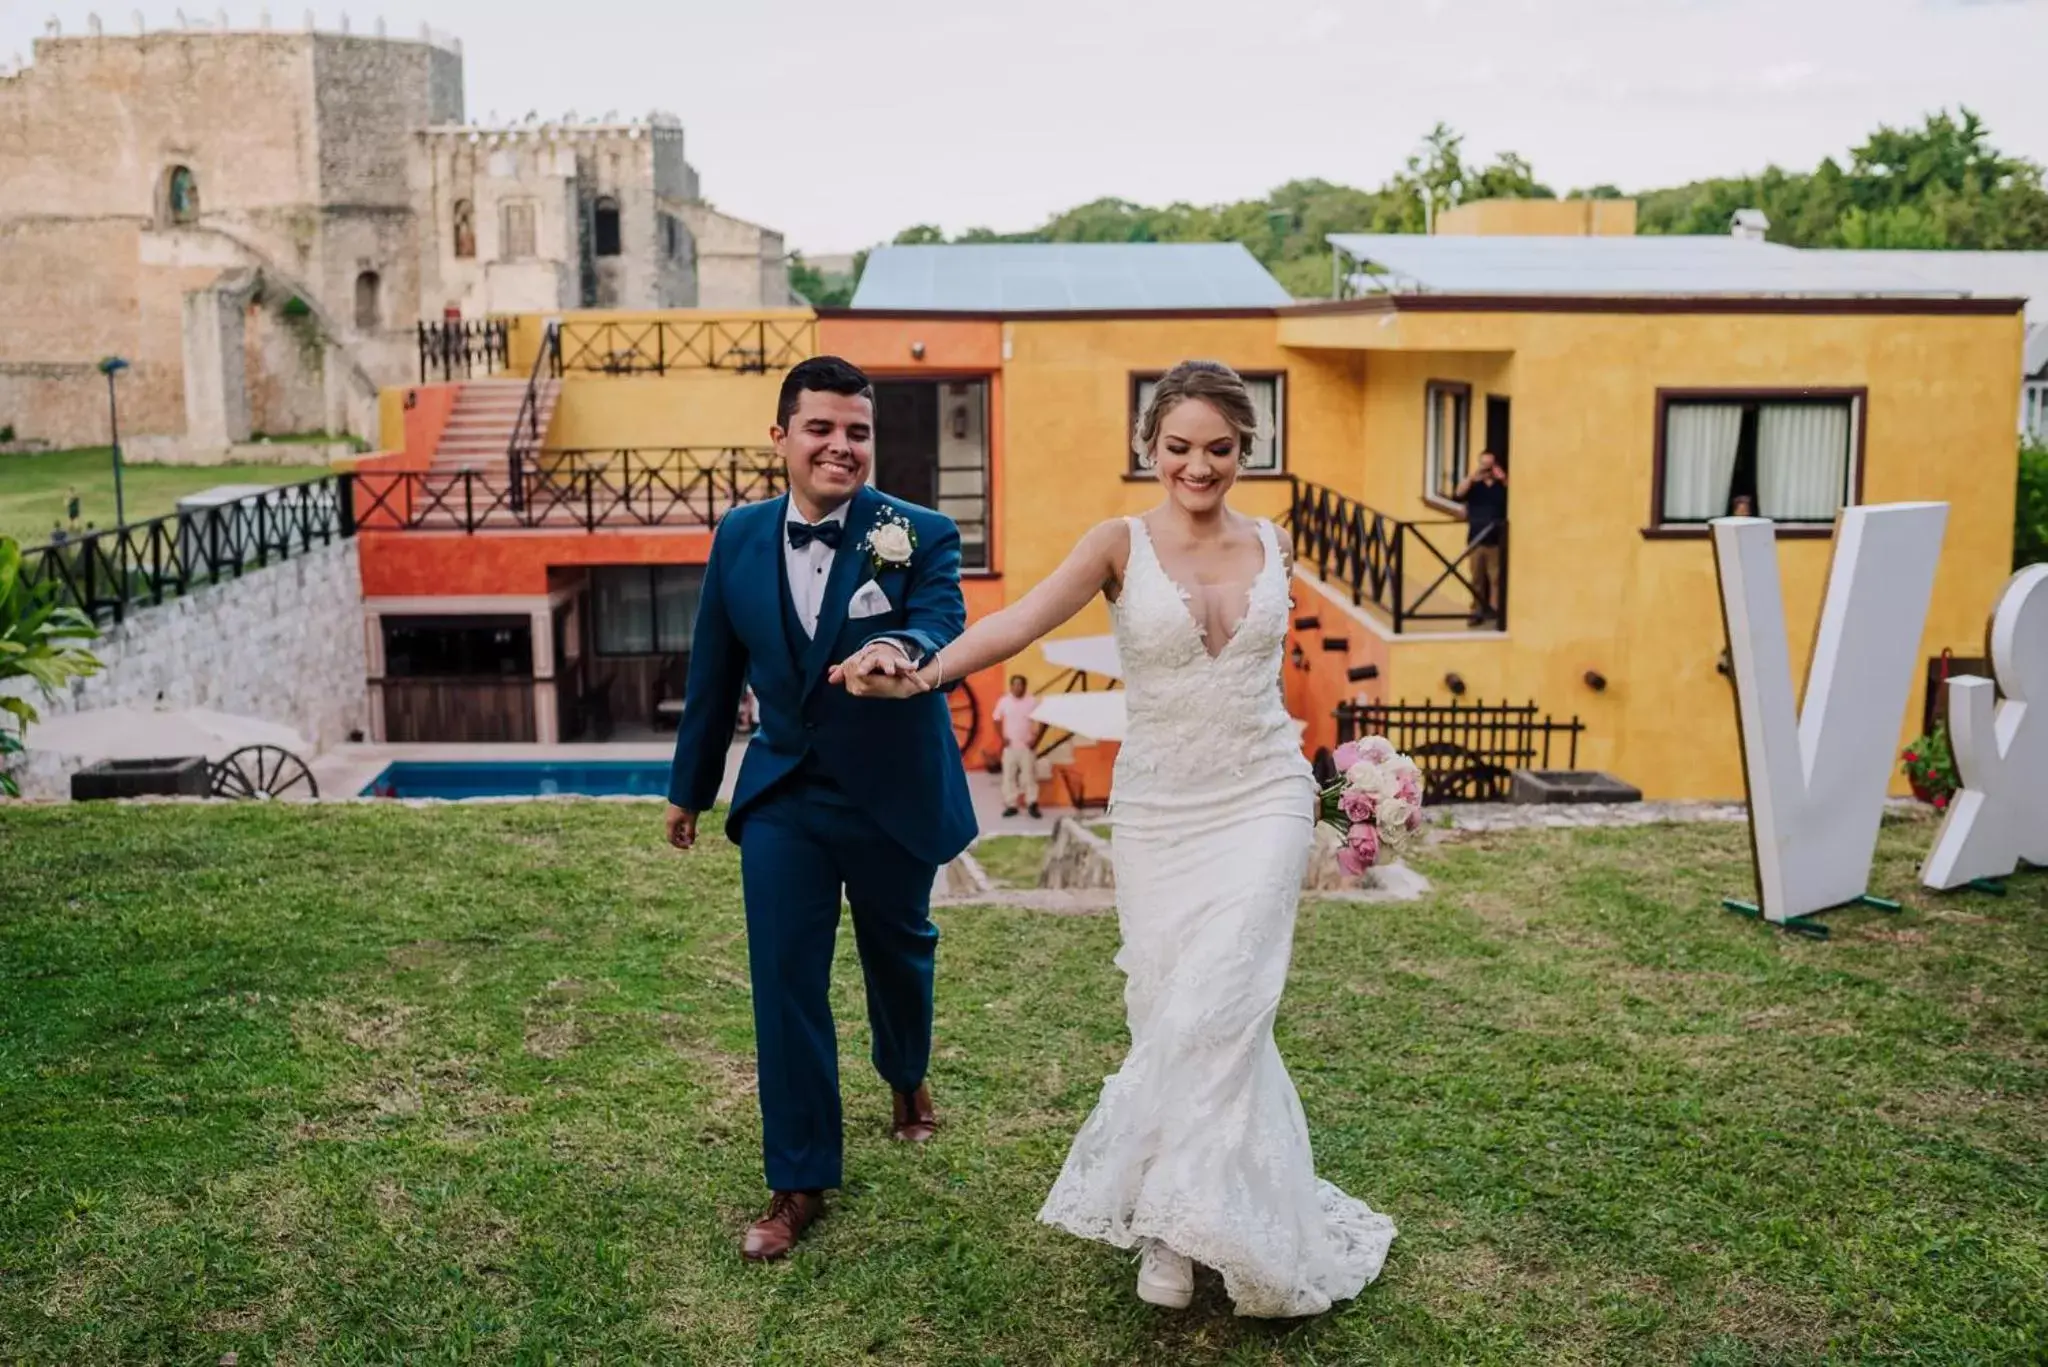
1539	218
1633	387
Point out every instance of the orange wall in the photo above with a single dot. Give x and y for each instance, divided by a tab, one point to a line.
886	345
410	419
1322	680
435	564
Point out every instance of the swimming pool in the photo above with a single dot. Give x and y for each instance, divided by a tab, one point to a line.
521	778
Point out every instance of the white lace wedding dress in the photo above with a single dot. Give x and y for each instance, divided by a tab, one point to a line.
1199	1140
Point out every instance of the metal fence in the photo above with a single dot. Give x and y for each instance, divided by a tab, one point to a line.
1416	571
656	346
1468	752
574	490
456	350
145	564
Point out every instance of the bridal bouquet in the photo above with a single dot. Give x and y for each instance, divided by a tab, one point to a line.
1375	804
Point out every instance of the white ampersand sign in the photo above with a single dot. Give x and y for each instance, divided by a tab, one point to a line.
2001	814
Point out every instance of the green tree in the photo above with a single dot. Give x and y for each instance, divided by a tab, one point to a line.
1941	185
37	645
2030	513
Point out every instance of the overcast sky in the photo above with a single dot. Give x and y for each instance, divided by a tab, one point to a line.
841	123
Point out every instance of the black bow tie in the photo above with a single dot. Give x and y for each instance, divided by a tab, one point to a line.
802	534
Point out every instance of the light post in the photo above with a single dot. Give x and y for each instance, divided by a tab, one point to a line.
111	366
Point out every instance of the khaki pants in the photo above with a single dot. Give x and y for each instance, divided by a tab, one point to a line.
1485	563
1020	776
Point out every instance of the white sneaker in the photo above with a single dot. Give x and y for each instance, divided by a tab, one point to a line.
1165	1278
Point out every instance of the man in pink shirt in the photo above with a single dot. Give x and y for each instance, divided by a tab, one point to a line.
1020	740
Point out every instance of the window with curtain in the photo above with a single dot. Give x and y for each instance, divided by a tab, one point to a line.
1792	459
1268	454
1446	437
644	609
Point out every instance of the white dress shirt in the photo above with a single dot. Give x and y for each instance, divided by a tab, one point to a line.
810	569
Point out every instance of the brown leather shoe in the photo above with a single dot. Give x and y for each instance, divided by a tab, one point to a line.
915	1120
772	1236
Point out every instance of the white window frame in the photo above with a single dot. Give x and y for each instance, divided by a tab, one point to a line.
1440	483
1271	449
1855	400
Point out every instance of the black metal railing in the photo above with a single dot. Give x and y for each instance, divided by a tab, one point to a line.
1468	752
145	564
527	429
456	350
574	490
656	346
1418	572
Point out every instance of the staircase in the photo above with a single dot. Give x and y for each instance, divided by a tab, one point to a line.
479	431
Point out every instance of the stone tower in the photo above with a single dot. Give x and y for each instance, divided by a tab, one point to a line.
230	211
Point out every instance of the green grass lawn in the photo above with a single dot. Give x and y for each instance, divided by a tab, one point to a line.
366	1084
35	487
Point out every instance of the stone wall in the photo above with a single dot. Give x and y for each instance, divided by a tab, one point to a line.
311	191
740	265
559	171
284	644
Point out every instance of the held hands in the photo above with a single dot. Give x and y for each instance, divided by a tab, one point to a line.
879	670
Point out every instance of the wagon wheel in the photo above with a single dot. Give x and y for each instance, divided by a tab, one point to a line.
263	772
1452	773
966	710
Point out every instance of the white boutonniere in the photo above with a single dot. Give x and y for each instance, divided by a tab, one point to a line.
891	542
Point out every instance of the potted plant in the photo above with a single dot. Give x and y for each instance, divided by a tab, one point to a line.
1931	768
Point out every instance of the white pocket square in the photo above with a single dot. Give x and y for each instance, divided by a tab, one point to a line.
868	601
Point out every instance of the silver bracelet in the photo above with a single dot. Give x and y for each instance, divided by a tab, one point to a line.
939	664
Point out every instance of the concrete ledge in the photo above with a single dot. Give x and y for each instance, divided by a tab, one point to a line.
181	451
1077	859
1569	785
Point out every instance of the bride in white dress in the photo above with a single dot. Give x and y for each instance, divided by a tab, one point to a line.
1198	1150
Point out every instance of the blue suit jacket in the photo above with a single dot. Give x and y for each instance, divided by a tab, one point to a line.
897	758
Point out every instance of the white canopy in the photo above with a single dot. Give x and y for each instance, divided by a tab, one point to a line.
148	733
1089	654
1096	716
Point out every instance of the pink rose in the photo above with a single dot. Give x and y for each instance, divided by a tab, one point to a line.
1348	860
1378	749
1356	806
1346	756
1415	819
1409	789
1363	840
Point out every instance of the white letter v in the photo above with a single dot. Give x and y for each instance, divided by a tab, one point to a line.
1817	778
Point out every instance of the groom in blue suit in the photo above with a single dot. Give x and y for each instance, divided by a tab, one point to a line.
837	794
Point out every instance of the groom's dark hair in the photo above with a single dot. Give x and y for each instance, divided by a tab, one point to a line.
826	374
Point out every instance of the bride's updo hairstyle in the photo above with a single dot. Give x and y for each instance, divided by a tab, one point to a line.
1215	384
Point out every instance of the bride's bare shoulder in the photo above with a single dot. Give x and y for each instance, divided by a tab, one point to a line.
1108	544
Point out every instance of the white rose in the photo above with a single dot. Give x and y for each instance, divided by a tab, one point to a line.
1369	778
1393	813
891	544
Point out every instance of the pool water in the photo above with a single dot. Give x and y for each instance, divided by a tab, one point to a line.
526	778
